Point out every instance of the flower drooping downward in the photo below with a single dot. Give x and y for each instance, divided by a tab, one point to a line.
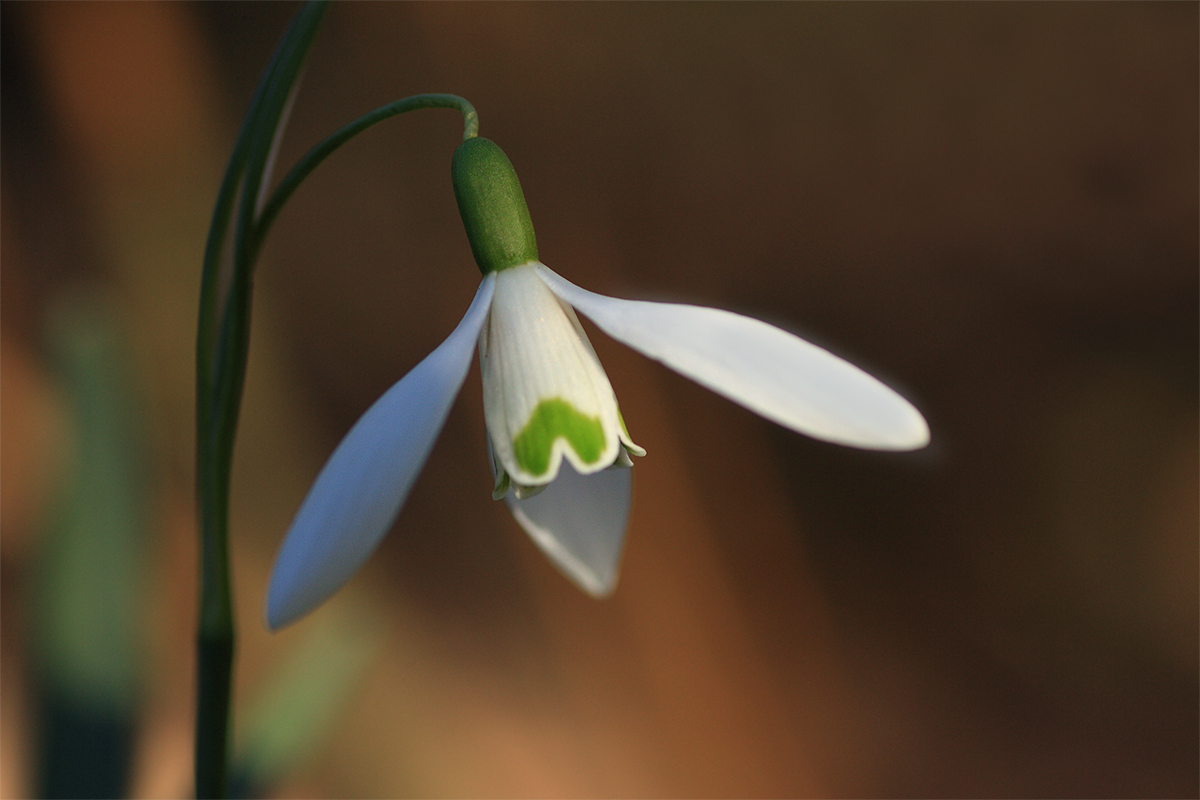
559	447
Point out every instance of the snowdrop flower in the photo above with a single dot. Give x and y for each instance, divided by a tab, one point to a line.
558	445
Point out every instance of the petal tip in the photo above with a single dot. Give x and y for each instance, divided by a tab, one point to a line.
600	590
915	434
912	435
284	606
579	523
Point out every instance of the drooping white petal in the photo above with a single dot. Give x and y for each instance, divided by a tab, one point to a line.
367	479
767	370
579	522
545	395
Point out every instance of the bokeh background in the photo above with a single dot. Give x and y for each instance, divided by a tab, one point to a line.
994	207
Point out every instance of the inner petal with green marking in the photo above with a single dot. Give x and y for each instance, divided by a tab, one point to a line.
552	420
545	396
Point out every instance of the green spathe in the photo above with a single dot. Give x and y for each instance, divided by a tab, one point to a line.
492	206
551	420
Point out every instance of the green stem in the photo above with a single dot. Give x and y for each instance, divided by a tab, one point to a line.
323	149
222	346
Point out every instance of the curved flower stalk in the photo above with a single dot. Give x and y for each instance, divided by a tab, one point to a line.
558	444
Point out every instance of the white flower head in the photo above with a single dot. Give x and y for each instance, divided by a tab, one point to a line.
558	444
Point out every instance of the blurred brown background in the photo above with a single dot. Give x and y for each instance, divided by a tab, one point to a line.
991	206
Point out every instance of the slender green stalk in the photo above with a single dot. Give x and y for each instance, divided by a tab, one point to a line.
325	147
222	346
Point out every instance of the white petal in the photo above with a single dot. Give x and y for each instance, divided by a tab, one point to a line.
579	522
767	370
545	395
367	479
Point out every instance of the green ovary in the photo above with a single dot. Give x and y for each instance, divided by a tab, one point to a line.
551	420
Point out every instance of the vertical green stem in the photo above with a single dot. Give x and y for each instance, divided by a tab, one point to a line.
222	344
